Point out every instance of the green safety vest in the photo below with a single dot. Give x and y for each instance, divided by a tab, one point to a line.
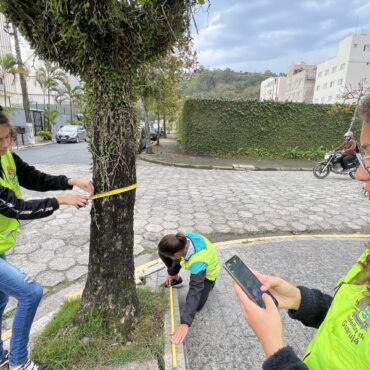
207	255
9	226
343	339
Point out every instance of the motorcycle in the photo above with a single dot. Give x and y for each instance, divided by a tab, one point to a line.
333	163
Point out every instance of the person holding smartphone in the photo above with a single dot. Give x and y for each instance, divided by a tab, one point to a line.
342	341
197	254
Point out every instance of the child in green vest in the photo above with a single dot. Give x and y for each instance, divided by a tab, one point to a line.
342	341
15	173
197	254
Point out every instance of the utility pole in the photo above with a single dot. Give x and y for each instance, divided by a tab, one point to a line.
22	78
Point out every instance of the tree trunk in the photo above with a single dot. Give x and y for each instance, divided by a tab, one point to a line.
71	109
164	127
149	148
110	285
22	78
159	129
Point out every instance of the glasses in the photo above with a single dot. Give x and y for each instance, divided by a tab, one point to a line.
362	162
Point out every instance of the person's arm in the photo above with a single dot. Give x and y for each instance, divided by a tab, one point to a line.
32	179
313	307
341	146
12	207
284	359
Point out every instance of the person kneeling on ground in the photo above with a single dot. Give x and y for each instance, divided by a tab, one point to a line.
196	253
15	173
342	341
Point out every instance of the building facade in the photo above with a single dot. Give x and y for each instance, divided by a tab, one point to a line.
273	88
300	83
350	66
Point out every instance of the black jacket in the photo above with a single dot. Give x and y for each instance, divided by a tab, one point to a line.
312	311
31	179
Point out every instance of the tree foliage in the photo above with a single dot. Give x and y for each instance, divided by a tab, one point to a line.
104	43
226	83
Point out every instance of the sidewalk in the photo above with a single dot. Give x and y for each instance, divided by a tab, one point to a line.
169	153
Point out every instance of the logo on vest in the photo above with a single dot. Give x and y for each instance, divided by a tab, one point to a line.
357	323
11	174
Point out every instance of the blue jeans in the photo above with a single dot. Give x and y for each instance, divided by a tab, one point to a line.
14	283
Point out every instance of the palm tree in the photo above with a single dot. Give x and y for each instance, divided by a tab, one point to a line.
48	77
9	65
68	93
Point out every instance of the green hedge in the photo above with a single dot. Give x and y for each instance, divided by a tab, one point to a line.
262	129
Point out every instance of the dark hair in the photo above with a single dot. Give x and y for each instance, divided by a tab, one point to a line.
171	244
4	120
364	108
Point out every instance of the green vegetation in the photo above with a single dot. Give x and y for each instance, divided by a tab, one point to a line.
225	84
89	345
262	129
46	135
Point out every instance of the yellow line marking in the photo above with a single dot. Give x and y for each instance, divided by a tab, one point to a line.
174	356
114	192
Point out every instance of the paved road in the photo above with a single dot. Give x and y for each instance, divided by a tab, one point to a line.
221	204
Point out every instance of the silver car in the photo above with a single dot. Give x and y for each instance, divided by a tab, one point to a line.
71	134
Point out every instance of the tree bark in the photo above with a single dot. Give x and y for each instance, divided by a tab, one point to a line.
164	127
110	285
22	78
159	129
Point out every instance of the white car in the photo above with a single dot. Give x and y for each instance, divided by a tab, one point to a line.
71	133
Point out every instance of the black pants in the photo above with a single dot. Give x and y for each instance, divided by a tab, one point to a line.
173	268
346	160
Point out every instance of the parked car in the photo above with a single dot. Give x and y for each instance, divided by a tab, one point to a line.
153	133
71	133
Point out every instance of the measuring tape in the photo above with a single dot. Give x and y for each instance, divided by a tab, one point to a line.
174	357
114	192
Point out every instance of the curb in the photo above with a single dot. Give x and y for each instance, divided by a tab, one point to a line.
32	145
234	167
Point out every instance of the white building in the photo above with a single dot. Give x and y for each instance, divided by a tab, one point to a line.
300	83
347	69
273	88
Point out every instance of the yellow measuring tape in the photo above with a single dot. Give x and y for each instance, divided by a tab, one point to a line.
114	192
174	357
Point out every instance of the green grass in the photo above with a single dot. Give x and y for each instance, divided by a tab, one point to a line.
66	345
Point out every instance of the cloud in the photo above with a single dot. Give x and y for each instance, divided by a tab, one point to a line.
266	34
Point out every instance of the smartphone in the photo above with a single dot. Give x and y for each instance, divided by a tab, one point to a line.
247	280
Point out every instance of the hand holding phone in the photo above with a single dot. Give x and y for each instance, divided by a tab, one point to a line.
247	280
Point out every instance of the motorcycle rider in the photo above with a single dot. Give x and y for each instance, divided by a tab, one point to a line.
348	149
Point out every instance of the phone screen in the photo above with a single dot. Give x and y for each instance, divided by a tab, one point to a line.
247	280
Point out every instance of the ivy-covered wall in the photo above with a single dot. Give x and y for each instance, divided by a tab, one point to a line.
267	129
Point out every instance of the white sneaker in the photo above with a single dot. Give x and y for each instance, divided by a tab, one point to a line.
29	365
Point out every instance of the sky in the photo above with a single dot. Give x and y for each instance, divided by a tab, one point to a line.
256	35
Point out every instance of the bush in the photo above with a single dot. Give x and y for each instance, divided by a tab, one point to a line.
262	129
45	135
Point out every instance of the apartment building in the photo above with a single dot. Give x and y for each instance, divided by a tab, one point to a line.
273	88
300	83
347	69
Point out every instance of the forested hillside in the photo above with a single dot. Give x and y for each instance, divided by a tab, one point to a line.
225	84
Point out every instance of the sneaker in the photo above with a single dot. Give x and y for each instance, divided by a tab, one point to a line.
175	283
4	362
30	365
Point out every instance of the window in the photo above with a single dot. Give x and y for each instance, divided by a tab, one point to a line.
1	81
319	75
340	82
329	98
325	85
342	66
326	72
317	87
322	100
334	69
331	83
367	47
316	100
